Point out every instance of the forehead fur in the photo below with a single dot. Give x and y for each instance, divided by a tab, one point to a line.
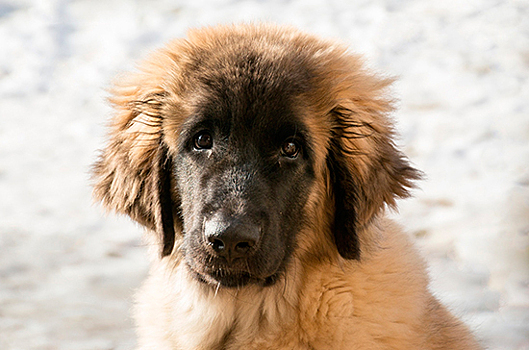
248	66
257	63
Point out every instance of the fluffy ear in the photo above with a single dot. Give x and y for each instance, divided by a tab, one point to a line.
133	174
367	171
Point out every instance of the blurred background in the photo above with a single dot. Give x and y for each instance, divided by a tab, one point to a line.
68	272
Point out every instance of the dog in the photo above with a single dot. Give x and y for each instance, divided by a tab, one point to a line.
261	161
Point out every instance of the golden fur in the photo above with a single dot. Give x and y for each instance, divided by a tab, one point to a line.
328	297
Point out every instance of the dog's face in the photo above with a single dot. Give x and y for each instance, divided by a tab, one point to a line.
220	143
243	169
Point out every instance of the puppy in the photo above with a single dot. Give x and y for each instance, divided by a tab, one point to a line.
261	161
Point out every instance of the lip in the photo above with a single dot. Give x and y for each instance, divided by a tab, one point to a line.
232	278
224	278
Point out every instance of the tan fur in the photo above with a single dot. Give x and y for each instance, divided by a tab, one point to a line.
323	301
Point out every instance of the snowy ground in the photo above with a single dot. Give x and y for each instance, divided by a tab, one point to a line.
67	273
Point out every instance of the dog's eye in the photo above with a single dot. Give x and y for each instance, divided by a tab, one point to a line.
290	149
203	140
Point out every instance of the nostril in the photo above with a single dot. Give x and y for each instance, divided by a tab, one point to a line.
217	244
243	247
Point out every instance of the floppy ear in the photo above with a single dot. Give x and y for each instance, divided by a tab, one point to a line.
133	174
367	171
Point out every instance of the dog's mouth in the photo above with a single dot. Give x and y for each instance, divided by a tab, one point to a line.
231	278
227	279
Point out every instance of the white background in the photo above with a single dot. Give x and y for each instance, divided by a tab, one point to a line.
68	273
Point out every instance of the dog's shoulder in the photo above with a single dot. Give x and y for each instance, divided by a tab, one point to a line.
381	297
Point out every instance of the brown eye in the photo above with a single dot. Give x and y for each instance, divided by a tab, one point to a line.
290	149
203	141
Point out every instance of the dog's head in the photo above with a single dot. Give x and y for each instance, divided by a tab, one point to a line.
222	142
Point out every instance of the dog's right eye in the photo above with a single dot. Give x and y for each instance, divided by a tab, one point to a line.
290	149
203	140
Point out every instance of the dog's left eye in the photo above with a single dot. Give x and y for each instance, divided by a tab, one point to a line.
290	149
203	140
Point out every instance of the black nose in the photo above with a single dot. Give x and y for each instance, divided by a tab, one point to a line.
231	238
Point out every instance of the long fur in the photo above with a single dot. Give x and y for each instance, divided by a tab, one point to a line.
353	280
